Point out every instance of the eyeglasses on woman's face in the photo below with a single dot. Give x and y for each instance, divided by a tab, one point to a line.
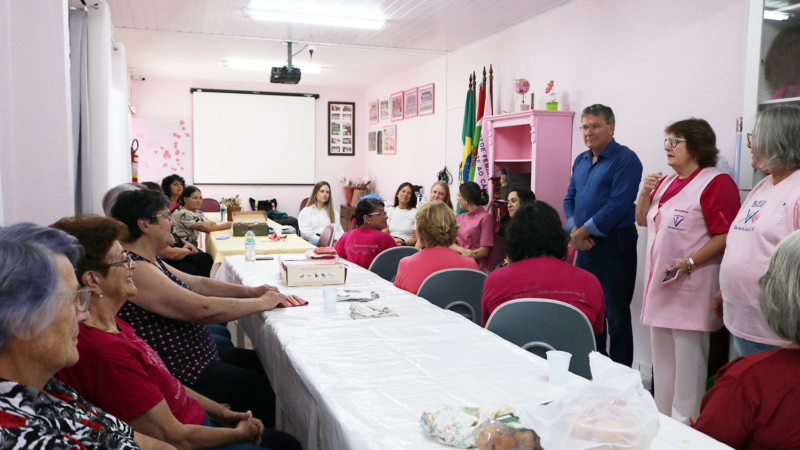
749	140
382	213
673	141
167	216
126	260
79	299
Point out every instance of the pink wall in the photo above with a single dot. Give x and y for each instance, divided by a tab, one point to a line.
420	140
170	99
653	62
35	137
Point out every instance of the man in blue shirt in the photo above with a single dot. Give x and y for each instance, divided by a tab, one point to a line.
600	212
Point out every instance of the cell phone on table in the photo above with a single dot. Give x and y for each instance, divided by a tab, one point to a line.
670	276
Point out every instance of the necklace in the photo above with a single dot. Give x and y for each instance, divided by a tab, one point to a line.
113	329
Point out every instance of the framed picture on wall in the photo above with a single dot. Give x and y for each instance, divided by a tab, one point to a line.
373	112
410	101
390	139
384	110
373	141
397	106
341	128
426	100
380	142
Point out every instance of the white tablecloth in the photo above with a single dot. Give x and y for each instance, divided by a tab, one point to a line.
365	383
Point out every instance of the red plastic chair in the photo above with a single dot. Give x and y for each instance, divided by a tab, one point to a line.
210	205
326	238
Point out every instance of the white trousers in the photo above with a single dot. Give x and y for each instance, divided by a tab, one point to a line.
680	368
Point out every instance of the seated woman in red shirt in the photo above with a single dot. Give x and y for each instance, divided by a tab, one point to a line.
537	246
362	245
437	230
755	402
121	372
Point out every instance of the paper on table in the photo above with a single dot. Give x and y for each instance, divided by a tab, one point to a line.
351	295
370	312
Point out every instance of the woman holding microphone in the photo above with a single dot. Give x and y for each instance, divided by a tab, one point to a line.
687	214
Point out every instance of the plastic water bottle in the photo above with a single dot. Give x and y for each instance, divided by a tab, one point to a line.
250	245
223	212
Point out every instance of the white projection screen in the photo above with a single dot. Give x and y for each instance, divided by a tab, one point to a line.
247	138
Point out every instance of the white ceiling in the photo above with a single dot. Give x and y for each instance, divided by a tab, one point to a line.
162	54
435	25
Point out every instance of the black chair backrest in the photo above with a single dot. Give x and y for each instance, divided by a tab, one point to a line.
539	325
459	290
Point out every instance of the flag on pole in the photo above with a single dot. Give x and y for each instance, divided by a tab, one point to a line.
467	133
482	175
477	134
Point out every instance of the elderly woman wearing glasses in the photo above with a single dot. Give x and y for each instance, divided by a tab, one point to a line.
40	307
687	214
119	372
754	403
770	213
170	308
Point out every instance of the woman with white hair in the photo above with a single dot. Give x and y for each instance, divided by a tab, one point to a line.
756	399
40	307
770	213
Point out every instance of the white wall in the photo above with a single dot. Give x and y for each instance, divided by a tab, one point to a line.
35	128
420	140
653	62
157	98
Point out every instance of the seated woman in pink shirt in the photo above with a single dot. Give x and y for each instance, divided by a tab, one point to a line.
362	245
475	227
756	400
436	230
537	246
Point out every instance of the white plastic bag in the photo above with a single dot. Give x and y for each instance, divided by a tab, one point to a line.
612	412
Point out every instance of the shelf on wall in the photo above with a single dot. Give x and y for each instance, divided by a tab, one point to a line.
512	160
780	100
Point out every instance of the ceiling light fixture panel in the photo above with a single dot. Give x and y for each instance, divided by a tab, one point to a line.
315	15
775	15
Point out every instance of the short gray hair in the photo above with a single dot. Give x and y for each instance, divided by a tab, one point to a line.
111	196
779	297
29	277
599	110
776	137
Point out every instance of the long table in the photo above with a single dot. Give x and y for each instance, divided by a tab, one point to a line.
363	384
219	249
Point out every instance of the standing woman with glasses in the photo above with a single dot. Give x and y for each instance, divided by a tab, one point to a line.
687	215
769	213
362	245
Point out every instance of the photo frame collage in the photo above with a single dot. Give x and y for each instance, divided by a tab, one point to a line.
341	128
403	105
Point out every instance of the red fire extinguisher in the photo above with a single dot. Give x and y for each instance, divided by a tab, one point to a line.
135	160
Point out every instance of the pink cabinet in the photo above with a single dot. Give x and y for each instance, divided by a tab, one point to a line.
538	143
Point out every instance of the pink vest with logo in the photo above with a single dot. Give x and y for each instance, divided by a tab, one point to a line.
675	232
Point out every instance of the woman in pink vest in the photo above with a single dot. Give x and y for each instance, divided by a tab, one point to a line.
770	213
687	214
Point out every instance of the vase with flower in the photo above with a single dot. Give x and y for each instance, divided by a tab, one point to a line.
521	87
552	100
353	184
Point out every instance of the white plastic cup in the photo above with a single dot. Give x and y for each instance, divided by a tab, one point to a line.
558	366
329	294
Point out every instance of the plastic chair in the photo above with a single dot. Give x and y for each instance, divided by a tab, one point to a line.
303	203
385	264
210	205
459	290
539	325
326	237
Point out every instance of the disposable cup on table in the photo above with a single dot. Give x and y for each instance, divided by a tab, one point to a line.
558	366
329	295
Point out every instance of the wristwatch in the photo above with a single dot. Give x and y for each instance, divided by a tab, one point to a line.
692	265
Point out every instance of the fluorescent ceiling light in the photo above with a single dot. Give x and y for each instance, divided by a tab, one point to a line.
299	13
268	66
775	15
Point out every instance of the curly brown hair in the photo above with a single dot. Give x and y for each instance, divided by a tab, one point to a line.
436	224
701	141
97	235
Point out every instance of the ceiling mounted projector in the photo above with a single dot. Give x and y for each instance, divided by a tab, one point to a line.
286	74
